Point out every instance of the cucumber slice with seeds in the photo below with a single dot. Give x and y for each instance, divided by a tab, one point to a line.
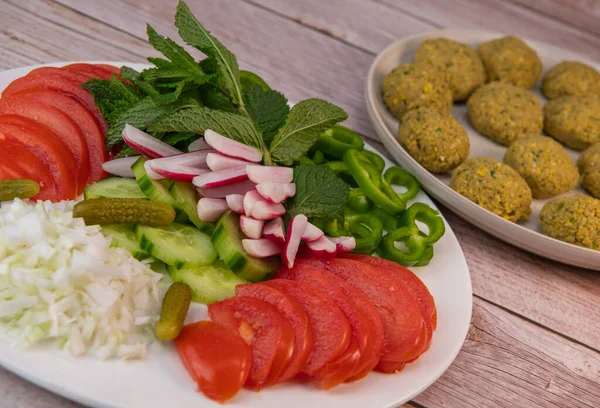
123	237
186	200
114	187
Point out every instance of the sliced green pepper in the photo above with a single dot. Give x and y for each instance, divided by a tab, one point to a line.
337	139
375	159
366	229
427	256
390	222
342	172
318	157
397	176
358	201
372	183
305	160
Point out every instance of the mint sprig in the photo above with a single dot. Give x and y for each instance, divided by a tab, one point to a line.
268	109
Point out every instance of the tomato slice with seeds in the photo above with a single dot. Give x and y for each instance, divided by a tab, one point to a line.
217	358
268	334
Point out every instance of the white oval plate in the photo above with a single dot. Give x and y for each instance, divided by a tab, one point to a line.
526	235
161	381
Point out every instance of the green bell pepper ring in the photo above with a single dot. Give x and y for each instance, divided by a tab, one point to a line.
427	256
358	201
372	183
375	159
337	139
305	160
318	157
342	172
390	222
397	176
366	229
415	247
431	218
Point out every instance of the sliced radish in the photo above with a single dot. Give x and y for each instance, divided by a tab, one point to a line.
312	233
264	210
292	240
250	200
151	173
217	161
251	227
323	247
210	209
274	231
221	178
147	145
192	159
230	147
176	172
120	167
276	192
236	202
261	248
344	244
222	192
263	174
198	144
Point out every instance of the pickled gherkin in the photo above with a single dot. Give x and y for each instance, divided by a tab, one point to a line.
174	310
124	211
18	188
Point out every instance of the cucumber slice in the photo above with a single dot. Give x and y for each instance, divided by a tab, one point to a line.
210	283
114	187
186	200
123	237
156	190
227	240
177	245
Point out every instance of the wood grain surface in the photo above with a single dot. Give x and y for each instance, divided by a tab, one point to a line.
535	334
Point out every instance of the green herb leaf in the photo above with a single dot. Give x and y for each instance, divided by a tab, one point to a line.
269	109
174	138
215	99
133	76
319	192
305	122
199	119
112	95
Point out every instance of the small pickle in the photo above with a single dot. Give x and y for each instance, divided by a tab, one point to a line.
175	306
18	188
124	211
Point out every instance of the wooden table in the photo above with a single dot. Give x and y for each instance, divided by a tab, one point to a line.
535	334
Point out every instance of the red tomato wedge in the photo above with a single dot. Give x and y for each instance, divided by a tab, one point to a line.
92	133
268	334
294	313
332	332
16	161
57	122
217	359
351	362
47	147
110	68
65	82
400	314
89	70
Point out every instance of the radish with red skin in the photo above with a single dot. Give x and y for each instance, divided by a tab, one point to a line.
221	178
312	233
151	173
276	192
231	148
263	174
176	172
261	248
198	144
210	209
120	167
218	161
147	145
222	192
236	203
251	227
250	200
344	244
274	231
293	239
191	159
264	210
323	247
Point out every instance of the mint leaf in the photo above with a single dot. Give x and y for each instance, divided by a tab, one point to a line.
305	122
135	77
112	95
199	119
193	33
177	137
319	192
215	99
269	109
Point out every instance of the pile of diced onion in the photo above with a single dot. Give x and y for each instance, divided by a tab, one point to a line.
60	280
227	176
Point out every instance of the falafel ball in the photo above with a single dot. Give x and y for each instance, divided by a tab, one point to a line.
545	165
409	87
573	120
574	219
510	60
504	112
589	166
494	186
571	78
434	139
460	61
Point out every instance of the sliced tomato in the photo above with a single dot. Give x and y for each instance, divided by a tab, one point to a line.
110	68
217	358
89	70
267	332
390	367
47	147
294	313
64	82
80	78
363	335
59	123
92	133
330	327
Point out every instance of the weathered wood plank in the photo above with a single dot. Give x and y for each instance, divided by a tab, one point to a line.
580	13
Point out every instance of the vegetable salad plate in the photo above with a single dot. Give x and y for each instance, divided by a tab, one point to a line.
526	235
160	380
